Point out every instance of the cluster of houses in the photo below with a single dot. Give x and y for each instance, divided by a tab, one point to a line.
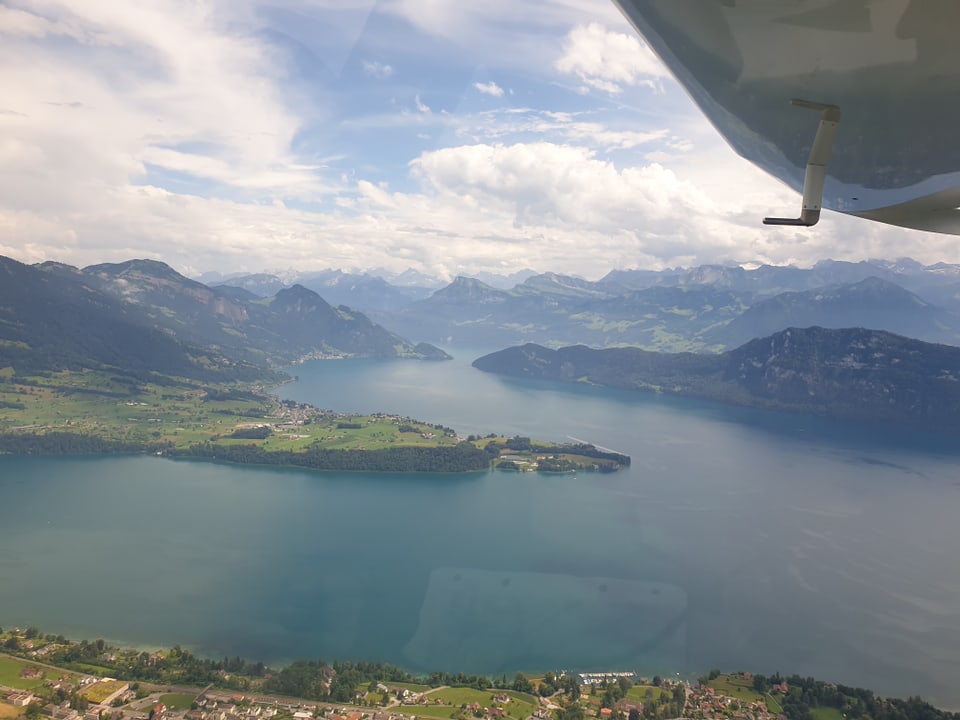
211	706
218	707
67	683
706	703
63	711
215	706
494	712
703	703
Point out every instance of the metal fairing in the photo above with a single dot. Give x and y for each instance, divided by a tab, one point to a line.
892	67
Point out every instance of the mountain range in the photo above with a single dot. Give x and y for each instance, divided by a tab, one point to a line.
707	308
837	357
143	314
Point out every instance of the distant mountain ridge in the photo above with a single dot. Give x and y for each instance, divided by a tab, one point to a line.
144	313
366	290
710	308
707	308
51	320
849	373
873	303
667	310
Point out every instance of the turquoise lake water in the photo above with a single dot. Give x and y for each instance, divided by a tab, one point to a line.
737	539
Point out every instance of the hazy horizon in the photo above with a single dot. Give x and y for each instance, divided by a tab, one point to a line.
216	275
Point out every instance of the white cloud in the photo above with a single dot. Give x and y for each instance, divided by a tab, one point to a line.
545	183
490	88
503	33
510	123
550	206
607	60
376	69
162	84
174	130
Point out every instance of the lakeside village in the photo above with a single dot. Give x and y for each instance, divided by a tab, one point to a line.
89	697
49	677
45	676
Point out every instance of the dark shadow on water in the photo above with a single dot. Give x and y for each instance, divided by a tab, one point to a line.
779	423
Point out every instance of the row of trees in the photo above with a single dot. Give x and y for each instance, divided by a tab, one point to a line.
69	443
520	443
463	457
176	666
806	694
316	680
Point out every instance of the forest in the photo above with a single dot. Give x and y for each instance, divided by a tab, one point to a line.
805	695
463	457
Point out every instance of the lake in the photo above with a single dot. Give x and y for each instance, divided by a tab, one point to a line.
737	539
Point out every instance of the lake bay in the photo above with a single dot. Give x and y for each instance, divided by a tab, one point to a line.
737	539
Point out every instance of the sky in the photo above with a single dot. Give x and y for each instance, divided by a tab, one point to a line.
448	137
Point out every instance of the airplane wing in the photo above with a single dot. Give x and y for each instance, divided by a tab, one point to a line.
854	103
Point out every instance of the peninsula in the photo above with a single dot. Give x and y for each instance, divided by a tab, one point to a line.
97	412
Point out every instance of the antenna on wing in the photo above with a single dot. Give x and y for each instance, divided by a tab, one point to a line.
816	174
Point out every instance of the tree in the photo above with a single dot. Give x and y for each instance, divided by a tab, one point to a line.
521	683
634	714
573	712
79	703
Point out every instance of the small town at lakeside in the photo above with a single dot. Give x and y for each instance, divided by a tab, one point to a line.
49	676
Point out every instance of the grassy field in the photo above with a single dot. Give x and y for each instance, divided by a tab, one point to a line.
826	713
639	692
10	674
462	696
739	687
774	707
521	697
91	669
95	404
177	701
520	706
9	712
98	692
433	711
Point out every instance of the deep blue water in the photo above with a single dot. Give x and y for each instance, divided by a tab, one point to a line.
738	539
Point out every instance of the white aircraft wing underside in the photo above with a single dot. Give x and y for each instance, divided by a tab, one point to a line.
892	67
